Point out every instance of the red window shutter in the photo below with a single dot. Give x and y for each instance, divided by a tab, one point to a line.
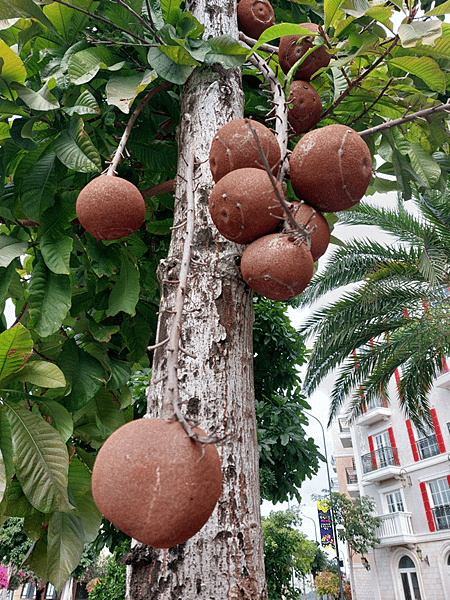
372	453
412	441
448	480
426	503
444	365
397	380
393	446
437	431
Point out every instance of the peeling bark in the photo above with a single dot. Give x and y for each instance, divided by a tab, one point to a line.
225	559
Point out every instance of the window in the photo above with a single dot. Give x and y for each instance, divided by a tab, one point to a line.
50	592
28	590
394	502
440	495
383	449
408	576
428	446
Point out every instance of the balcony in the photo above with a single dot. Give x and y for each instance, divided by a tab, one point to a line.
377	410
344	433
441	516
427	447
443	381
380	464
396	529
352	481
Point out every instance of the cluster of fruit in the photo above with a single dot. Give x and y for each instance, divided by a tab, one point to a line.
330	170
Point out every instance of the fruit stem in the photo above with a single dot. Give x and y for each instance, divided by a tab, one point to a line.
118	153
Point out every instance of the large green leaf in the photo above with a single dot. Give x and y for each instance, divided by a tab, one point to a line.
84	65
85	104
40	457
10	108
36	559
226	51
125	293
37	188
331	9
121	91
60	418
12	69
24	8
83	373
68	21
442	9
64	546
15	349
277	31
50	299
17	504
6	452
170	10
80	487
423	164
41	373
56	250
42	100
154	6
75	149
424	67
10	248
166	68
427	32
356	8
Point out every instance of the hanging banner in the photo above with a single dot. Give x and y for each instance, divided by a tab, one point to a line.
326	530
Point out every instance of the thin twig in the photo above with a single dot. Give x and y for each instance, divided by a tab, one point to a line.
426	112
160	188
142	21
126	134
380	95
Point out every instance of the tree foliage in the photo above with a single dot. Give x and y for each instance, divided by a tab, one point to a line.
286	552
70	76
393	317
358	520
327	583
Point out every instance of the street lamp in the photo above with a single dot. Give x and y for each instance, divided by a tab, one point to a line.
333	524
314	523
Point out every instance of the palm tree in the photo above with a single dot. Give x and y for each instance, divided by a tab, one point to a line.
395	318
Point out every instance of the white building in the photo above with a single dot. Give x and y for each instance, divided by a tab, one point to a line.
382	455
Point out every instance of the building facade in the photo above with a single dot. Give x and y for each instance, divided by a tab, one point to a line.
407	473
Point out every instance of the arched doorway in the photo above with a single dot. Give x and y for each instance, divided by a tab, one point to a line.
408	575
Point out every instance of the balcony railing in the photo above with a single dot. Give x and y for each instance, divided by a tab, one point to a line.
377	459
441	516
344	427
395	528
352	477
378	402
428	446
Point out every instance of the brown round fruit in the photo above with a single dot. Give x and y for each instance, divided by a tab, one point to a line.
305	106
110	208
243	205
277	268
312	219
289	52
330	168
234	147
254	17
155	483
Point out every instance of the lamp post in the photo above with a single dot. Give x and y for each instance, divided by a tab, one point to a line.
333	524
314	523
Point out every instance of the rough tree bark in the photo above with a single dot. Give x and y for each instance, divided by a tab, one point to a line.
225	559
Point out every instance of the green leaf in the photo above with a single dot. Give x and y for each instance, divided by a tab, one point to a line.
6	452
17	504
103	258
50	299
10	248
56	249
423	164
166	68
179	55
12	69
24	8
37	188
60	417
41	459
75	149
41	373
10	108
84	65
65	546
425	31
226	51
102	333
121	91
109	411
42	100
171	10
83	373
155	13
85	104
442	9
15	349
277	31
80	487
125	293
425	68
331	9
36	559
356	8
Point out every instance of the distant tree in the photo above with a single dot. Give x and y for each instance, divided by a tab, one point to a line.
328	583
111	584
286	552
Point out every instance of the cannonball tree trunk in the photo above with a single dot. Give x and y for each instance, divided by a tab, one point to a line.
225	559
